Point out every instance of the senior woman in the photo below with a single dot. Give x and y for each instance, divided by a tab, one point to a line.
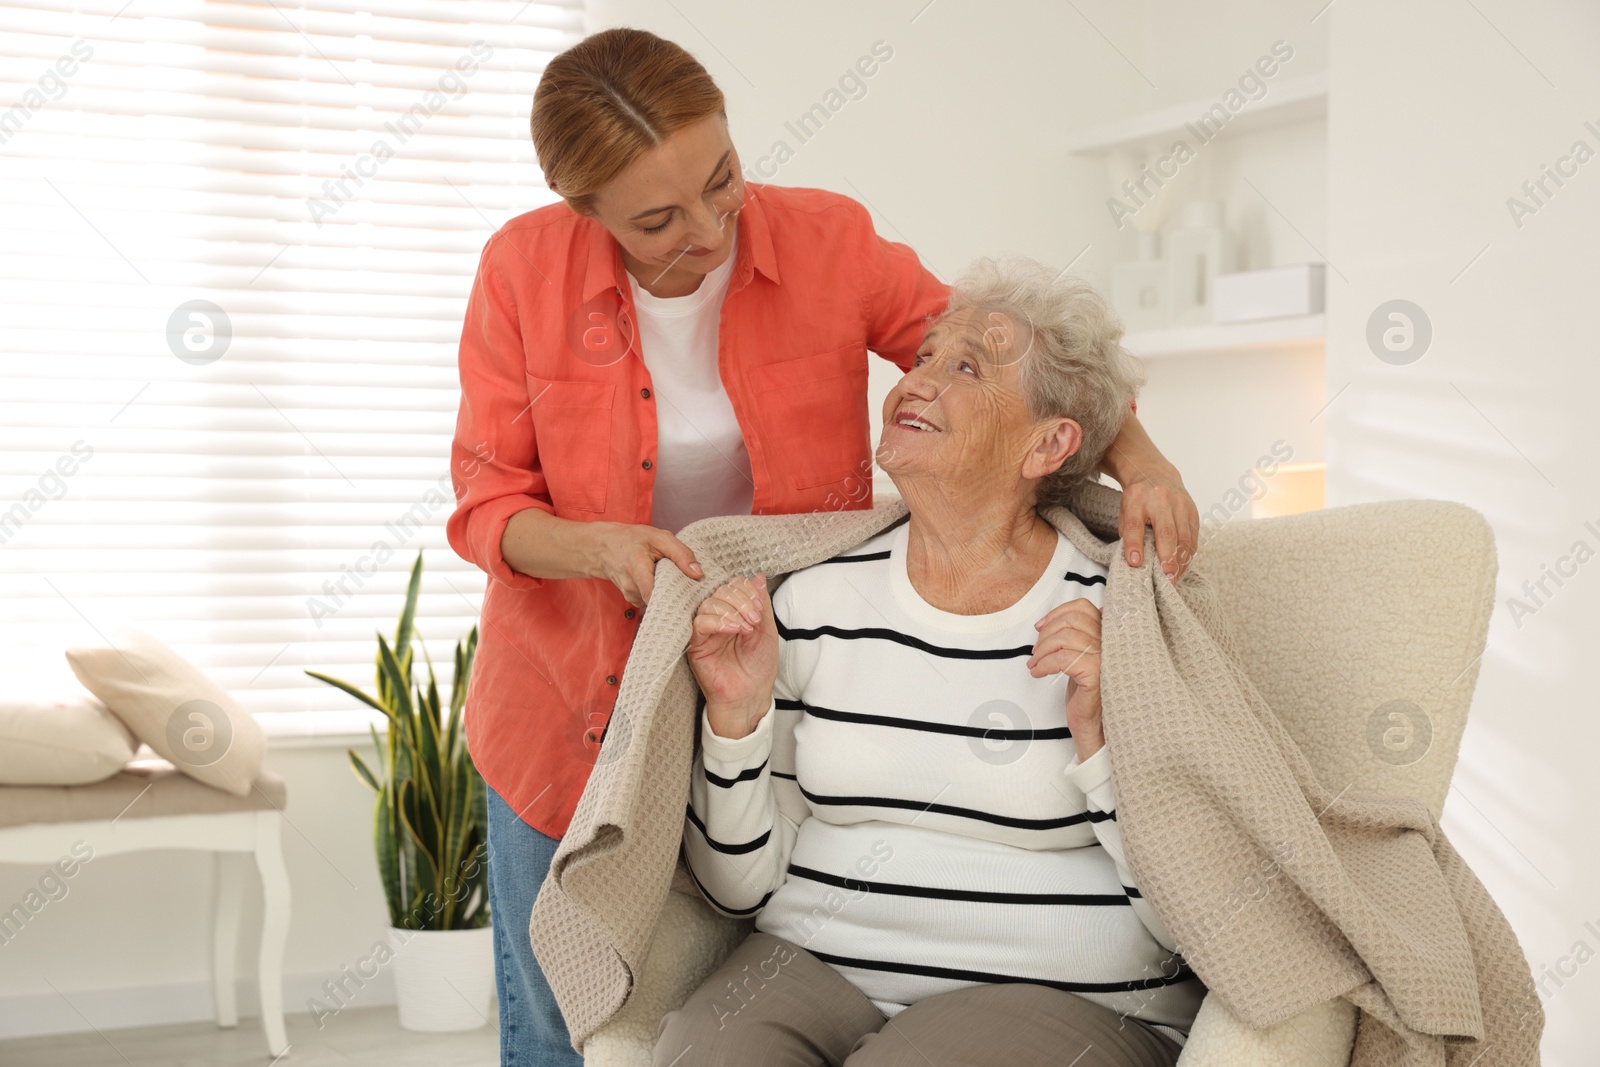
894	779
667	343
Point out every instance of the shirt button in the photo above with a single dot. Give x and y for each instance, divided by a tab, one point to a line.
645	393
647	464
628	614
611	679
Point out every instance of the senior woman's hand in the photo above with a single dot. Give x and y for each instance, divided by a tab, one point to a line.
1069	644
734	655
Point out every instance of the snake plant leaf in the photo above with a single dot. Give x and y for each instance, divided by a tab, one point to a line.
408	810
398	683
430	771
430	813
395	679
408	614
428	721
457	820
352	690
480	804
362	772
465	653
383	839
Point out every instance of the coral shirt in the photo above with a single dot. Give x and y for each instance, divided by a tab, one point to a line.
557	413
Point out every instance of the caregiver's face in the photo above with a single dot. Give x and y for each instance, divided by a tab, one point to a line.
674	210
959	412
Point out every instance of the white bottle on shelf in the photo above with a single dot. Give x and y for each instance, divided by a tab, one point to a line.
1139	289
1198	249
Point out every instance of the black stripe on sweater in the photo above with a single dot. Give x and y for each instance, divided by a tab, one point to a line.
715	903
1054	733
972	895
951	809
1183	974
862	558
883	633
749	774
731	850
1085	579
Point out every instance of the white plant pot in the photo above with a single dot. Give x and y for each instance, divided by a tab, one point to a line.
443	979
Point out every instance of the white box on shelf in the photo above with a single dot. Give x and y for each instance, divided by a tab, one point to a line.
1274	293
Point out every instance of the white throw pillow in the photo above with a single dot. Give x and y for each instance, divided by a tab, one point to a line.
175	709
63	742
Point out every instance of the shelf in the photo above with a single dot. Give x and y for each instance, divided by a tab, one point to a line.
1287	100
1300	331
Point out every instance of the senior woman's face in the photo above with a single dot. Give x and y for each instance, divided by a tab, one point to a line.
959	413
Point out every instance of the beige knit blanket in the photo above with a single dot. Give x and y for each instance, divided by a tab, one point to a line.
1373	904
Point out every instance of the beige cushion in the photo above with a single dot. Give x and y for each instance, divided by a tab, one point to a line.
176	710
144	789
64	742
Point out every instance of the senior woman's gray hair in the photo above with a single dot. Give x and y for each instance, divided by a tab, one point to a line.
1073	364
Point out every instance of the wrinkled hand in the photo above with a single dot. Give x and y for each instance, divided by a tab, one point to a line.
734	655
1156	498
1069	644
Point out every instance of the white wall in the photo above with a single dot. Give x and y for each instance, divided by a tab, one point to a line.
1440	112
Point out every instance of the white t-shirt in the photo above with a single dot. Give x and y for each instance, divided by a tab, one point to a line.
702	467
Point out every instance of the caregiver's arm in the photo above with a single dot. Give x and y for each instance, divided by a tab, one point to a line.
539	544
1152	495
737	838
504	520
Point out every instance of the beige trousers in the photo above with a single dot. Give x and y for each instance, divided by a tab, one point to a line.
773	1004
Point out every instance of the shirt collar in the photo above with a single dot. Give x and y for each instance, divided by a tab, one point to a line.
754	251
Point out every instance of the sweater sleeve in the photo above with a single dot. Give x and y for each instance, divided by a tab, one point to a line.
1092	777
898	293
745	808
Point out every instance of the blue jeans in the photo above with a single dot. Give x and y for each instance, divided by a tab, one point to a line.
532	1031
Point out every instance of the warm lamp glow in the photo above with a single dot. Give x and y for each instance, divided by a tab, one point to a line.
1291	489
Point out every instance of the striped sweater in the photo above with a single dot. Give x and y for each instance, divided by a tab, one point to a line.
911	809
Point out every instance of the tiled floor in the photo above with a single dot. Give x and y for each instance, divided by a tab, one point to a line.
366	1037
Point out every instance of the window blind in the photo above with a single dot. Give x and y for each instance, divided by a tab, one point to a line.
239	237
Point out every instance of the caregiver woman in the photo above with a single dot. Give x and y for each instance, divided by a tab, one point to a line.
669	343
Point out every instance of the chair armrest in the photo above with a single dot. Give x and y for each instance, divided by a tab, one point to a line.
690	941
1320	1036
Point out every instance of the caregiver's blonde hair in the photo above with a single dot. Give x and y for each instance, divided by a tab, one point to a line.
606	101
1074	366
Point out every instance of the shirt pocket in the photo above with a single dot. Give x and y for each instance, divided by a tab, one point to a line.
817	420
572	431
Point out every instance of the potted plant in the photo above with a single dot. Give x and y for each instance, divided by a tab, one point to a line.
430	829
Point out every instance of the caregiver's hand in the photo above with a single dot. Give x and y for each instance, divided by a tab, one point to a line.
734	655
540	545
626	554
1157	498
1152	495
1069	644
